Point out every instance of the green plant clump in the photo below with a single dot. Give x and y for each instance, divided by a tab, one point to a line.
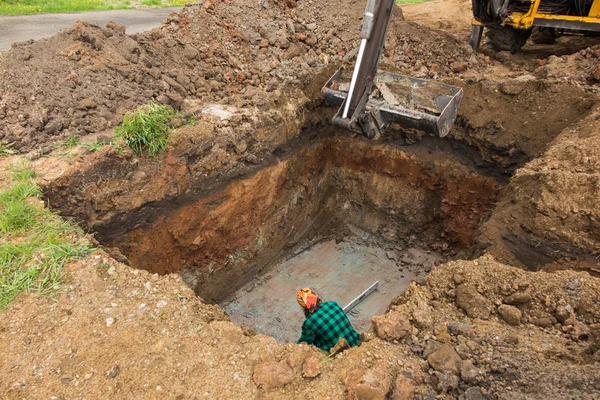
35	243
147	129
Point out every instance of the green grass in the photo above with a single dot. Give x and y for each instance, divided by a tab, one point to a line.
147	129
22	7
5	149
35	243
93	147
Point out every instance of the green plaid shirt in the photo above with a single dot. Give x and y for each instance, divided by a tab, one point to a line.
325	326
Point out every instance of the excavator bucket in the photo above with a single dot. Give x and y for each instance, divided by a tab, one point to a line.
370	101
419	104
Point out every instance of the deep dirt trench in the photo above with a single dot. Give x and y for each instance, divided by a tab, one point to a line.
322	187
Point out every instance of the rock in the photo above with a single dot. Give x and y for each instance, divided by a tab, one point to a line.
295	360
291	52
596	73
422	315
510	314
310	369
511	88
459	67
474	393
404	388
544	322
470	373
391	326
447	381
311	27
240	147
580	331
113	372
190	52
109	321
311	40
563	312
441	333
445	359
473	303
116	27
86	104
518	298
289	24
459	328
371	384
512	339
272	374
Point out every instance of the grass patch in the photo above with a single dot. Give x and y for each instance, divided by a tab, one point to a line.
35	243
147	129
23	7
6	149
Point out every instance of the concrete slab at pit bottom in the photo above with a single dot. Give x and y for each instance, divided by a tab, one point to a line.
338	272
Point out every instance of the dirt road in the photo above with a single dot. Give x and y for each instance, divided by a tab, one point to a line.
26	27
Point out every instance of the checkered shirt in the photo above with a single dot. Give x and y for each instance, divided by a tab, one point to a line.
325	326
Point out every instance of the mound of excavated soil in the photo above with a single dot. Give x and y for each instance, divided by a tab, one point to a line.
85	78
477	329
549	211
582	67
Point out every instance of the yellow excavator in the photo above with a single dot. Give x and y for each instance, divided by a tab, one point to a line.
370	101
509	23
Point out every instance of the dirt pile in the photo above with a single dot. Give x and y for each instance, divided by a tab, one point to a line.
582	67
549	210
516	323
439	350
85	78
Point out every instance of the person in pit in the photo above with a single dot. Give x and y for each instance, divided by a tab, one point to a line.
325	323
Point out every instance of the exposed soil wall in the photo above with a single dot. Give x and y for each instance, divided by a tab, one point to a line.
549	211
222	235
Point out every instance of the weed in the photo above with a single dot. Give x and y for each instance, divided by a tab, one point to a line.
117	147
5	149
35	244
190	122
147	129
93	147
72	141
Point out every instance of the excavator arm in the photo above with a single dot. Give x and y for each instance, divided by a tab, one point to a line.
372	100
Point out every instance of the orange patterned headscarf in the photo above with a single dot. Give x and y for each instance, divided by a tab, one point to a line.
307	299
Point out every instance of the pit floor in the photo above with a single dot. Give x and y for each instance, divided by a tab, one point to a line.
336	271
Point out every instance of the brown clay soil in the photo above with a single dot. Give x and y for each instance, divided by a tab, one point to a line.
511	195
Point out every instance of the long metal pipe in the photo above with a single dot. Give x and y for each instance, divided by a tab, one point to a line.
359	58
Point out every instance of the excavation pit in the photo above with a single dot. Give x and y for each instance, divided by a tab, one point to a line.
329	211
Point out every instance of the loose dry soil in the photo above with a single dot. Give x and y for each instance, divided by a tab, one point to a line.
508	200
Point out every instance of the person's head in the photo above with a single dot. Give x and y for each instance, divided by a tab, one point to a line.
308	300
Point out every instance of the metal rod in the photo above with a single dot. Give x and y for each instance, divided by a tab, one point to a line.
360	297
361	50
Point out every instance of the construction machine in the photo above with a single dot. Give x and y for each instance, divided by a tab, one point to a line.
370	101
509	23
